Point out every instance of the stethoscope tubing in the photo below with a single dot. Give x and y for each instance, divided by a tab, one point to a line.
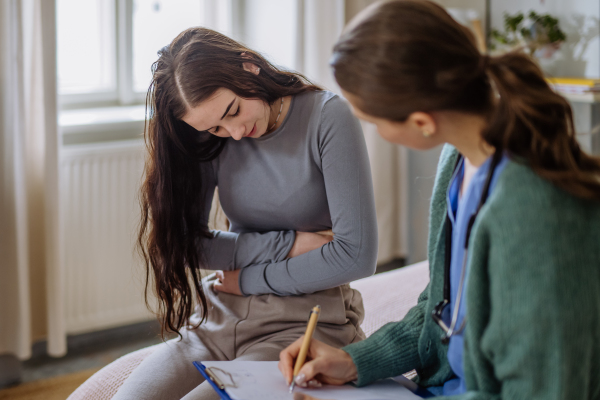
451	330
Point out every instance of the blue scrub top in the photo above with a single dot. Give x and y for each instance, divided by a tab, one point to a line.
460	211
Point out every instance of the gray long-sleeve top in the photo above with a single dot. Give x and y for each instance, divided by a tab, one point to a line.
311	174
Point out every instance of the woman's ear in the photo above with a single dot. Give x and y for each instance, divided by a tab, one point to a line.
423	122
249	66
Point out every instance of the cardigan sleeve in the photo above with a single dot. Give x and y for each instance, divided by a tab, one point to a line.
392	350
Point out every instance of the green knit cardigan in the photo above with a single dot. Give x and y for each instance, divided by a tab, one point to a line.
533	297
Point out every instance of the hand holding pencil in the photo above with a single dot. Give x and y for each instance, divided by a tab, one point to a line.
310	329
325	364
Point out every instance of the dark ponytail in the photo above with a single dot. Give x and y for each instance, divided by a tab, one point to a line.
535	124
403	56
173	211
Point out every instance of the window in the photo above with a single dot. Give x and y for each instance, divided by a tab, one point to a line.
86	38
155	24
106	47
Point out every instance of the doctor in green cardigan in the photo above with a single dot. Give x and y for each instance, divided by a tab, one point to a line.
512	310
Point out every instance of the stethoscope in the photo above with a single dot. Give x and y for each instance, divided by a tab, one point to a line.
438	310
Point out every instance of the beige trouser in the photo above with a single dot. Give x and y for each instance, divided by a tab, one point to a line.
254	328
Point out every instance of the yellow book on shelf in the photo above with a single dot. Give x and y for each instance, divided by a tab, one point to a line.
574	81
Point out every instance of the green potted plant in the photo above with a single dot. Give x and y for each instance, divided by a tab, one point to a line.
539	34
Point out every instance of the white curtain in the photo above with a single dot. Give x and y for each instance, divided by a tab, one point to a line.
319	25
390	171
30	288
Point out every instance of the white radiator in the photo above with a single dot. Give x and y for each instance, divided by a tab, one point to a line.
103	274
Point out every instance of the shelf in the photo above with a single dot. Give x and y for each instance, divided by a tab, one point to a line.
582	98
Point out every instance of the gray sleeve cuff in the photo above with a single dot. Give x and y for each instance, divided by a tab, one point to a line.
253	248
219	250
229	250
252	280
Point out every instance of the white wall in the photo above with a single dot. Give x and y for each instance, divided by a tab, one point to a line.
477	5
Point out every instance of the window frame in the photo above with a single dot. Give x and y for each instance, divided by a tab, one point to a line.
224	12
98	98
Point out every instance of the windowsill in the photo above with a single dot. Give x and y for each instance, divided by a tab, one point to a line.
101	124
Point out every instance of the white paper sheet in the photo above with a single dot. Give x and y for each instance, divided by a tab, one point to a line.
261	380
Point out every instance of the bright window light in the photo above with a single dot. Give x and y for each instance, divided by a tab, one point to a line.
86	46
155	24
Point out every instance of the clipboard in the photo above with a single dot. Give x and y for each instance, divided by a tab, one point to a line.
252	380
210	378
413	387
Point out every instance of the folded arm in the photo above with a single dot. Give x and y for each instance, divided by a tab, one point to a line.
353	251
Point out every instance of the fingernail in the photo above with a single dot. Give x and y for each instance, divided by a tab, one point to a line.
301	380
314	383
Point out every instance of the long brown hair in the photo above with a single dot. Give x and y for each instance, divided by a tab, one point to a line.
403	56
174	215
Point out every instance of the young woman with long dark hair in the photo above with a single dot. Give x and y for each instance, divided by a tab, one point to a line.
512	310
289	160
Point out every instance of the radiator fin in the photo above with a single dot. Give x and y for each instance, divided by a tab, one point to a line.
99	198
